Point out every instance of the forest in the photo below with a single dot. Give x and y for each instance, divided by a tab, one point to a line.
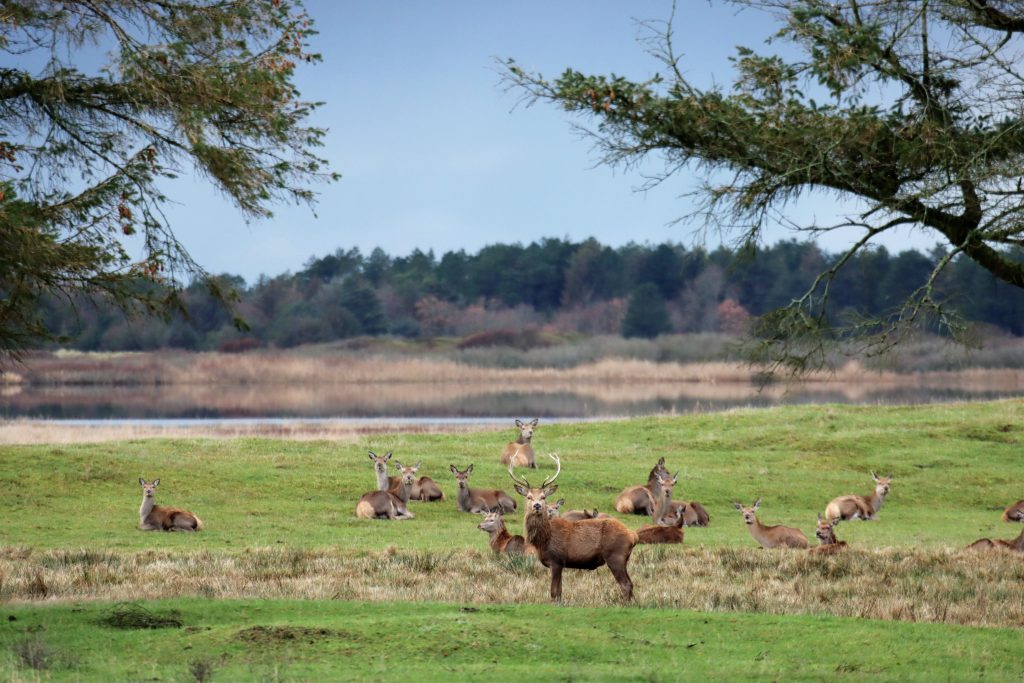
506	291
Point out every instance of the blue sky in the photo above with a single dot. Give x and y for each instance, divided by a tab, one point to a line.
436	155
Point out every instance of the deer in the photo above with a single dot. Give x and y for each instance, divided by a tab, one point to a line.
826	533
424	488
555	509
153	517
389	503
770	536
576	515
863	508
520	452
1016	544
639	500
584	544
662	533
502	542
662	497
1014	513
479	500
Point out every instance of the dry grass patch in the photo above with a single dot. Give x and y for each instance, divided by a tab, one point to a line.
985	589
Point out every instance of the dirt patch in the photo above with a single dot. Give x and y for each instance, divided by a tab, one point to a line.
269	635
128	616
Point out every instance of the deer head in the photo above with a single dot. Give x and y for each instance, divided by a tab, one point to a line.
408	474
380	463
667	482
526	428
881	484
149	490
825	532
492	521
749	513
462	478
535	496
555	509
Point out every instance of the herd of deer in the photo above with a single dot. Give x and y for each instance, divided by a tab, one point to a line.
579	539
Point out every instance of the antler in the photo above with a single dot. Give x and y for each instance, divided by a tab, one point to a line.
553	456
518	480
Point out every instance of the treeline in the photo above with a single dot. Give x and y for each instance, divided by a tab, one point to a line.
552	285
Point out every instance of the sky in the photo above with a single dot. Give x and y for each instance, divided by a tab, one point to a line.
436	154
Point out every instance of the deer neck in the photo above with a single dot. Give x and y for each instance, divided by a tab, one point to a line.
1018	543
499	537
538	529
382	480
876	501
463	499
403	492
524	440
662	506
758	531
148	503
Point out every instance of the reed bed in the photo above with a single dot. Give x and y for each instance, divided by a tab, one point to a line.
945	586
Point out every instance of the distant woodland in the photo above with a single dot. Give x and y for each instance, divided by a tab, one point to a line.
511	293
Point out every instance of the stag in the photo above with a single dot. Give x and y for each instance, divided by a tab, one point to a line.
583	544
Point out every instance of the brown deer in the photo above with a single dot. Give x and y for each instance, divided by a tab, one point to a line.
1016	544
555	509
770	536
826	533
501	540
576	515
391	503
853	506
153	517
585	544
479	500
662	533
424	488
639	500
520	452
1014	513
693	514
663	500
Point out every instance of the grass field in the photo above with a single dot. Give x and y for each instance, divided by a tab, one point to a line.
281	538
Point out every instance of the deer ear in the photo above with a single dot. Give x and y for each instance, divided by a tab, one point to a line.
737	506
470	468
550	491
156	482
890	476
416	467
757	503
560	503
372	455
661	461
387	456
874	476
534	421
453	468
398	466
819	516
142	481
521	490
519	423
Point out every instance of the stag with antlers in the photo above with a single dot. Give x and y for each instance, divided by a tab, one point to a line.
583	544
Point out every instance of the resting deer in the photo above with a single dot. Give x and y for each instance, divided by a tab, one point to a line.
1016	544
663	500
391	503
860	507
662	533
501	540
826	533
520	452
153	517
576	515
1014	513
585	544
479	500
639	500
770	536
424	488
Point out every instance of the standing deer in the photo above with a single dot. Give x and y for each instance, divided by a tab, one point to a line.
639	500
479	500
1016	544
826	533
520	452
853	506
153	517
424	488
770	536
662	533
1014	513
390	503
585	544
501	540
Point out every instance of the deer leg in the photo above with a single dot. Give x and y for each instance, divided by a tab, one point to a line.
618	570
556	582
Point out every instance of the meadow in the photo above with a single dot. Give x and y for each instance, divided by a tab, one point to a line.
284	582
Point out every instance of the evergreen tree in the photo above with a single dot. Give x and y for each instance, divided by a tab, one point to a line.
646	315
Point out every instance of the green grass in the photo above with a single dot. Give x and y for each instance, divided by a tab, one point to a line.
299	640
955	467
